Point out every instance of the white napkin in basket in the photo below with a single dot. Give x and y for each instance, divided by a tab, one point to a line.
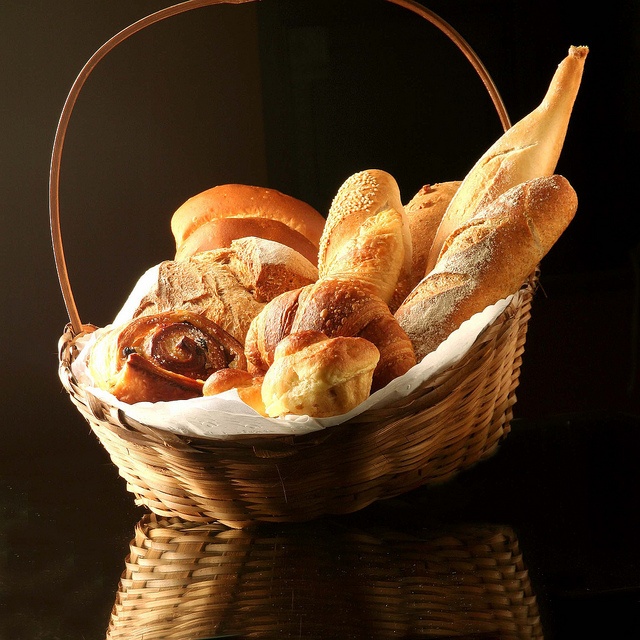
226	416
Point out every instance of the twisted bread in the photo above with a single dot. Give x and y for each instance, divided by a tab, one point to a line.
366	236
162	357
529	149
487	259
335	307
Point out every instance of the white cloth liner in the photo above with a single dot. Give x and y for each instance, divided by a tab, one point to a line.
225	415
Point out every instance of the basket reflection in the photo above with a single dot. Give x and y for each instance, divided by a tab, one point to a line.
322	580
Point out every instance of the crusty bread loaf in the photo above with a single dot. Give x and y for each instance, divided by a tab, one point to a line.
221	232
529	149
229	286
318	376
245	201
487	259
424	212
162	357
335	307
366	236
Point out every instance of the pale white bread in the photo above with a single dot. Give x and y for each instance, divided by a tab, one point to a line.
228	286
245	201
221	232
366	236
319	376
529	149
487	259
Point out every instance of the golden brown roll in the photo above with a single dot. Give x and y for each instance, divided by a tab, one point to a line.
424	212
220	233
335	307
366	236
245	201
529	149
162	357
487	259
318	376
229	286
248	386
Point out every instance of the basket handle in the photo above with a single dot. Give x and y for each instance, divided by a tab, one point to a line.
54	173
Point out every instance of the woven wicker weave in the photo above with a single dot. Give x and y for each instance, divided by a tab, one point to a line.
440	429
185	581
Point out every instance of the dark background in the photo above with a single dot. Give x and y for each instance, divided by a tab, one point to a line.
296	96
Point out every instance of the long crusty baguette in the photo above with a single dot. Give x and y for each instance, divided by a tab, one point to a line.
366	236
529	149
424	212
487	259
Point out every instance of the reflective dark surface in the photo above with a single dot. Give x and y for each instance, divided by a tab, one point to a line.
278	97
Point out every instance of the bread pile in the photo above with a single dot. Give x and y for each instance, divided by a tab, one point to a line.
308	316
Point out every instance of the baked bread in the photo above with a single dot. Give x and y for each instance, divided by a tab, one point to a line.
220	233
424	212
487	259
318	376
229	286
248	386
162	357
366	236
529	149
334	307
244	201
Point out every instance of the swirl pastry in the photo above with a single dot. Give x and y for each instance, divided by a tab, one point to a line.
162	357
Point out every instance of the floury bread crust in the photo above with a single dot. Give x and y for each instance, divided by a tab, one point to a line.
229	286
529	149
487	259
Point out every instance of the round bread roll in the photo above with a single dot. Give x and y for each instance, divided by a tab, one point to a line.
221	232
245	201
319	376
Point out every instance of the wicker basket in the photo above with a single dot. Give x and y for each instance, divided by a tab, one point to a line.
183	581
441	428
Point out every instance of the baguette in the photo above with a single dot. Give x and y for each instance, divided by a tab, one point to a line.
529	149
487	259
366	236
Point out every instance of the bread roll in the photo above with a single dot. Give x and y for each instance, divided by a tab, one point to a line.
318	376
529	149
487	259
220	233
245	201
162	357
366	236
335	307
248	387
229	286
